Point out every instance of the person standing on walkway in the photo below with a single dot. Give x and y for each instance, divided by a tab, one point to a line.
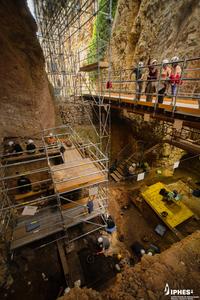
151	80
164	80
175	77
138	71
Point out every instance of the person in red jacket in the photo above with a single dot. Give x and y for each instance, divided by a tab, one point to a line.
175	77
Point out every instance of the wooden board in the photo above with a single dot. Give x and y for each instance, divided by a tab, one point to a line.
25	156
63	258
84	174
76	203
177	212
118	174
50	222
94	66
130	99
115	177
30	194
72	154
185	145
77	167
188	110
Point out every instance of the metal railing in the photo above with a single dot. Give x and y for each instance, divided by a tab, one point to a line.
124	86
51	214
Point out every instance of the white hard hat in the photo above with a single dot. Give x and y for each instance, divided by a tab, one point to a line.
67	290
150	253
140	64
154	62
131	170
30	141
165	61
175	59
142	251
50	134
10	143
100	240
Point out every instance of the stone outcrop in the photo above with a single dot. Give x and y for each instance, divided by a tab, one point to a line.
73	111
158	29
26	102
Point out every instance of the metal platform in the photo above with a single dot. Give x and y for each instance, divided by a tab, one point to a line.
94	66
51	221
77	175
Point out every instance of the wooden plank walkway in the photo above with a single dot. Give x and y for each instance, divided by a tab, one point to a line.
27	196
183	106
76	172
63	259
50	222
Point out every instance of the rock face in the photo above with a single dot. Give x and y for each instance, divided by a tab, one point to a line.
156	29
26	103
73	111
177	266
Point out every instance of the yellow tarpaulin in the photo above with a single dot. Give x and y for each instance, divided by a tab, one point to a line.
177	212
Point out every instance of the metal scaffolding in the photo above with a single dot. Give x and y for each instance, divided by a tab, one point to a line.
65	33
126	88
64	177
66	173
63	182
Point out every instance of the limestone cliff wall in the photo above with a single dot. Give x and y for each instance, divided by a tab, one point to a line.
26	103
157	29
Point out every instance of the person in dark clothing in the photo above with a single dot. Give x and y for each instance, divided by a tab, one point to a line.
103	243
138	76
138	249
113	166
24	184
110	225
62	148
196	193
152	80
17	148
163	192
31	148
90	206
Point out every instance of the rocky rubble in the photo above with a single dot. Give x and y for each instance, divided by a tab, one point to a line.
73	112
178	266
6	279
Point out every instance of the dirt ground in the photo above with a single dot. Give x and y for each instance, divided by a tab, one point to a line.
177	266
178	263
136	221
134	226
36	274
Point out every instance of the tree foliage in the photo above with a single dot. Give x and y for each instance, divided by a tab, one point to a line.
101	31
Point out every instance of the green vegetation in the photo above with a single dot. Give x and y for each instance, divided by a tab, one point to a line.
101	31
